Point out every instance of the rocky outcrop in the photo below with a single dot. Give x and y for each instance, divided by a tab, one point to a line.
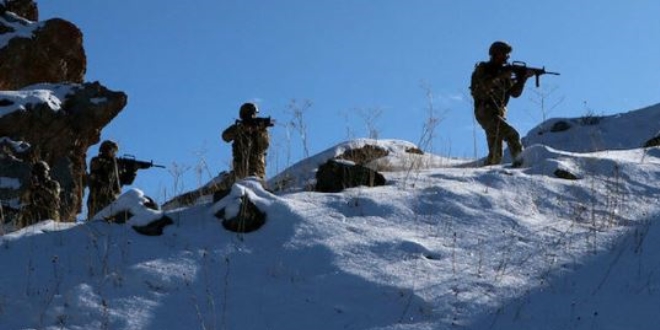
47	111
38	52
24	8
56	123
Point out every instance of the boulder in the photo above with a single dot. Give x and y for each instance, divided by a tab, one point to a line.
23	8
336	175
248	219
39	52
653	142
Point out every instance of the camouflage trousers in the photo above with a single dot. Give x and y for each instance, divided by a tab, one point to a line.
98	199
497	131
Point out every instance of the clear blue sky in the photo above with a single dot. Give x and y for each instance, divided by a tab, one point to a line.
188	65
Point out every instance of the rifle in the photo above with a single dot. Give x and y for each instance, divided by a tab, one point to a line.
258	121
519	68
128	167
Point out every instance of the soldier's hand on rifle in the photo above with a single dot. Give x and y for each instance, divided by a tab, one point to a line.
529	73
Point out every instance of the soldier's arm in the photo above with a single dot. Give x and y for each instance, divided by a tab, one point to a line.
262	140
229	134
517	87
521	77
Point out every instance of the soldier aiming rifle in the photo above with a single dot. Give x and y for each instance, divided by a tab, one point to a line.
250	141
108	173
493	83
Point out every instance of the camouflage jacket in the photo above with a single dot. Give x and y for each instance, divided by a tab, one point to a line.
41	201
492	86
249	146
104	175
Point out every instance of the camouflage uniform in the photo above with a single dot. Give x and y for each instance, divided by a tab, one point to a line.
491	88
41	200
248	149
103	181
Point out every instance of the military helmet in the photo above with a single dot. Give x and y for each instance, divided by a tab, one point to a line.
107	145
499	47
248	110
40	168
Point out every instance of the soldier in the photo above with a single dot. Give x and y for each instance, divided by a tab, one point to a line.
250	142
492	85
103	180
41	200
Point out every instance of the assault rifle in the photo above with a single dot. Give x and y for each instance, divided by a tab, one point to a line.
520	68
128	167
258	122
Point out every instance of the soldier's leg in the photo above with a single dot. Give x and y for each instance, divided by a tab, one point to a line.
494	147
490	121
512	138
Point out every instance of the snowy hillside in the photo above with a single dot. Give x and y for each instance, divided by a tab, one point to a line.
622	131
442	246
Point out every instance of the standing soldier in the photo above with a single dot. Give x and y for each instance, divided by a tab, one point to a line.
41	200
250	143
492	85
103	181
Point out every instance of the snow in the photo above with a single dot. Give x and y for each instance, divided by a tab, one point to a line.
22	28
616	132
444	245
9	183
17	146
53	95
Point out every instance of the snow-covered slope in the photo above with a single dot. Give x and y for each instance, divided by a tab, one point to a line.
622	131
439	247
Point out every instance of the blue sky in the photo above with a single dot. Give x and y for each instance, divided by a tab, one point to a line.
187	67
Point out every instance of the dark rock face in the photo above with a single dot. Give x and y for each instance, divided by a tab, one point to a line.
60	137
566	175
24	8
249	219
653	142
335	176
40	52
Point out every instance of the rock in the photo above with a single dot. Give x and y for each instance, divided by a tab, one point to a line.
24	8
364	155
249	218
654	142
564	174
335	176
215	189
50	51
154	228
59	122
560	126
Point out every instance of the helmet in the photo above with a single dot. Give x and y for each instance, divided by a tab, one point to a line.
107	145
499	47
248	110
40	168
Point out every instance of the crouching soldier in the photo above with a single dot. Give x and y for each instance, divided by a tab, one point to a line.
41	201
